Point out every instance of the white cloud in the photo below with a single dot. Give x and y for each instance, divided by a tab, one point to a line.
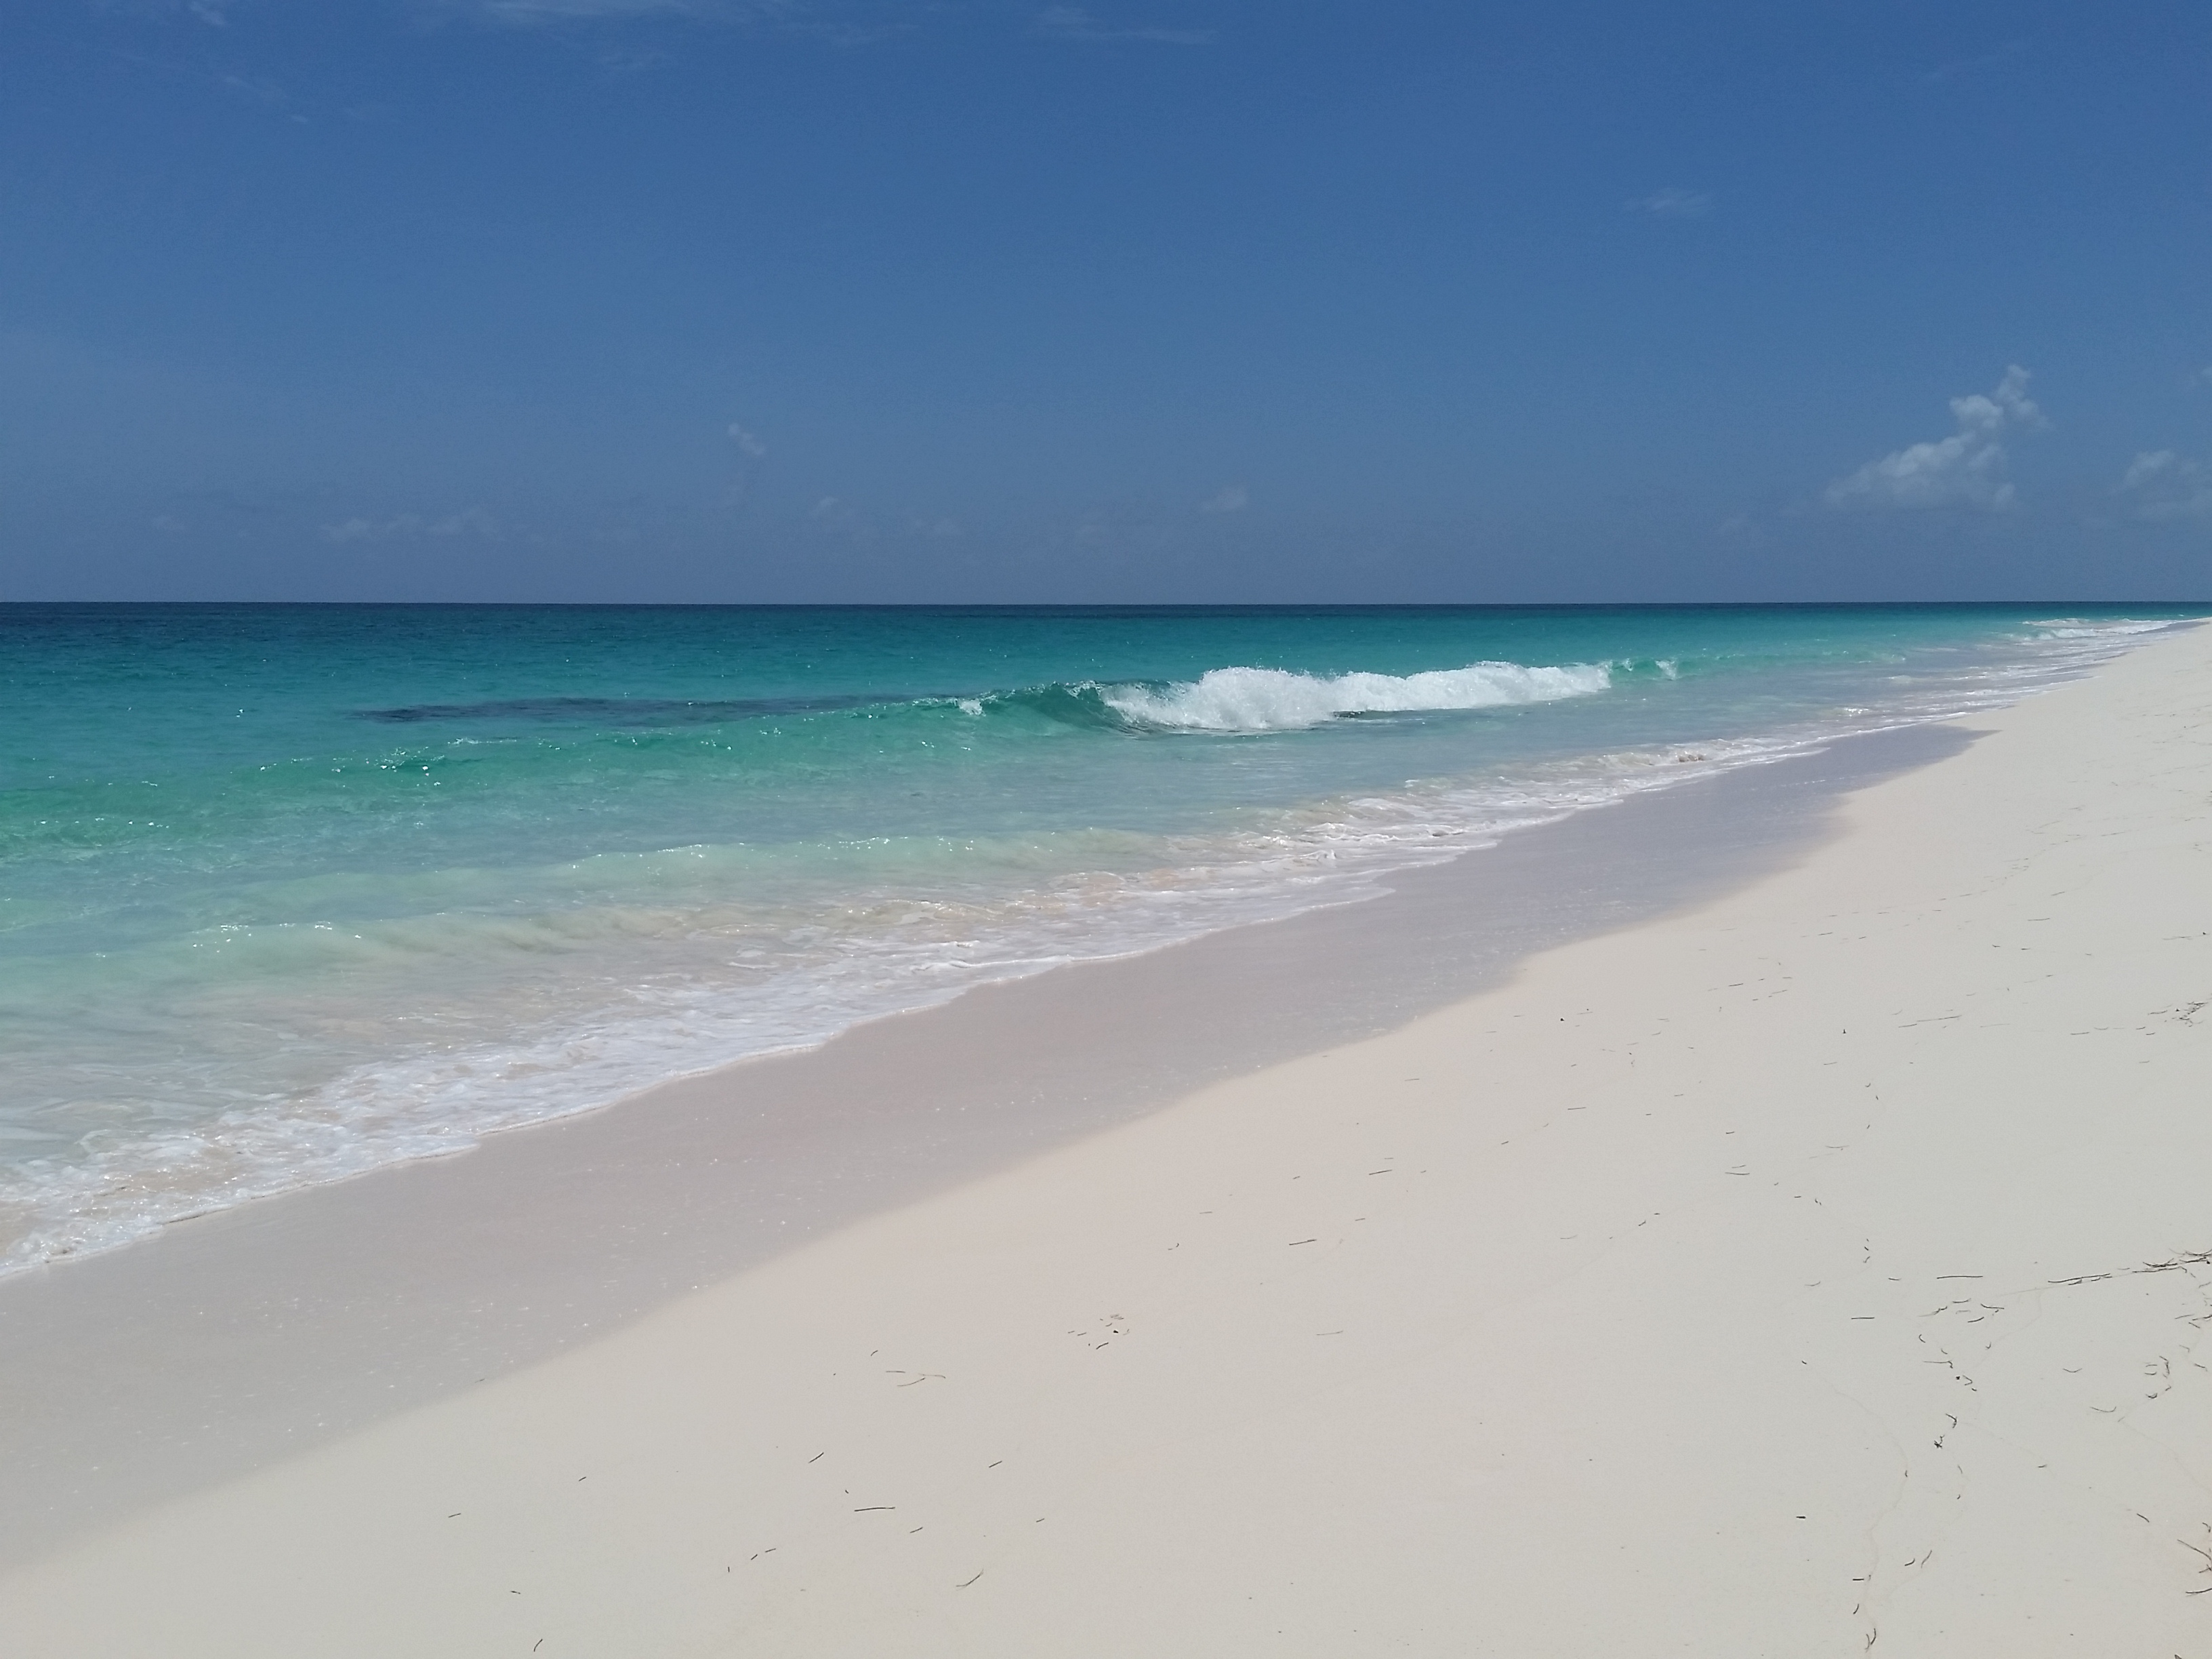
1229	498
1074	24
1966	469
1673	204
2162	485
747	444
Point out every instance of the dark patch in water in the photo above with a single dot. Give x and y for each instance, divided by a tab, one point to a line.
622	711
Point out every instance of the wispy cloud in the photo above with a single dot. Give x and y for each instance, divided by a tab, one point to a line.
1996	56
1673	203
408	526
1074	24
216	14
831	22
1965	470
253	88
745	465
2162	485
1229	498
632	60
529	14
838	519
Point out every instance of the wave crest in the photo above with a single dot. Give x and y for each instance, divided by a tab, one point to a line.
1279	700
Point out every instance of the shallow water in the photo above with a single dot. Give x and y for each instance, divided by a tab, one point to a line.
290	892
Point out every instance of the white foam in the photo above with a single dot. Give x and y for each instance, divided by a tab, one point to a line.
1277	699
2075	627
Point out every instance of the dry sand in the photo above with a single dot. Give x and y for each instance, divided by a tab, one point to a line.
1820	1268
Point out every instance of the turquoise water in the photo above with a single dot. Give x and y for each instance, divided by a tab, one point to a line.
288	892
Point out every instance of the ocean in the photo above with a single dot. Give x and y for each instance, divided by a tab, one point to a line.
287	893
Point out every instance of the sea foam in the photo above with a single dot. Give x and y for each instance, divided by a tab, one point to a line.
1277	700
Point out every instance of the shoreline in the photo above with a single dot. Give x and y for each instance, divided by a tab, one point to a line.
1362	884
411	1282
1575	1295
117	1188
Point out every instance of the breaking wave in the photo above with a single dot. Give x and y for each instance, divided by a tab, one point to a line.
1277	700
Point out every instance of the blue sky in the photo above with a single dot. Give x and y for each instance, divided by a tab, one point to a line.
1141	300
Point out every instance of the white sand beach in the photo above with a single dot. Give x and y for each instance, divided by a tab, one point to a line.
1821	1268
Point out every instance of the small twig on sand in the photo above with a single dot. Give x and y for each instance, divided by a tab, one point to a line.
2187	1259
